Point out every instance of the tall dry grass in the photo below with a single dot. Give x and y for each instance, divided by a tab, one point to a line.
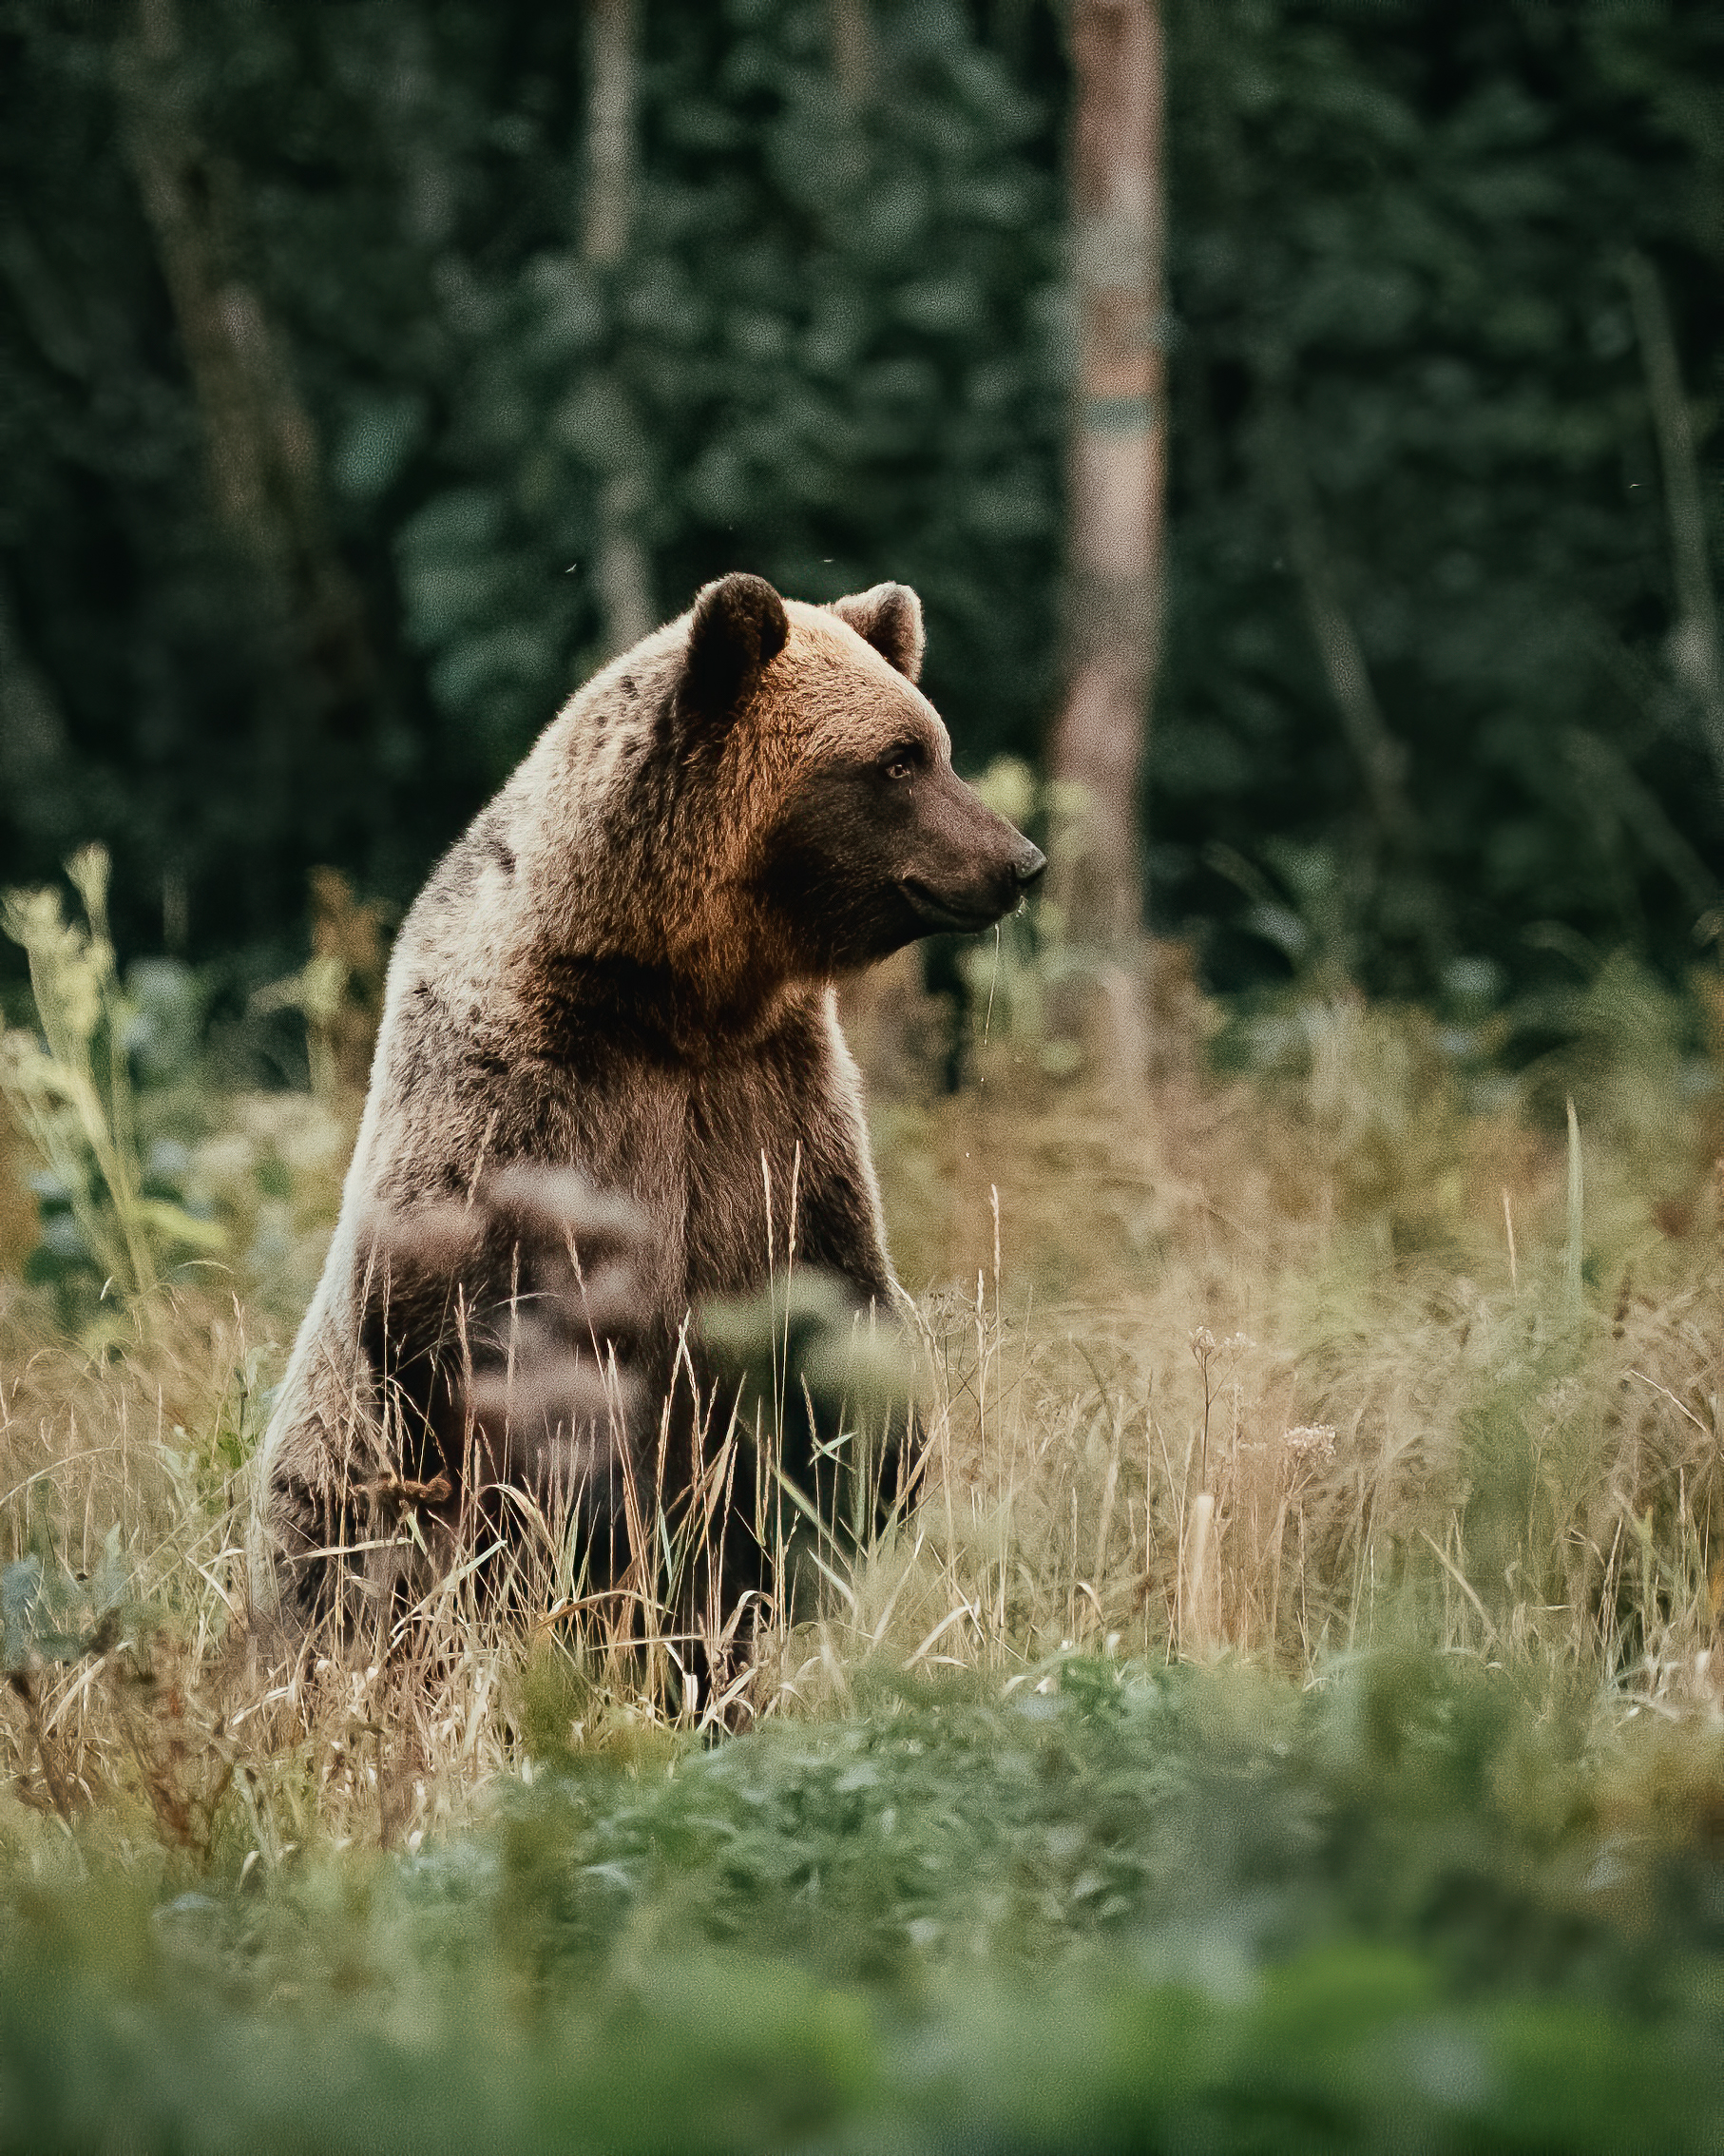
1268	1366
1366	1344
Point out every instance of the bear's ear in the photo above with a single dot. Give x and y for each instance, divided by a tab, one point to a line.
740	627
890	618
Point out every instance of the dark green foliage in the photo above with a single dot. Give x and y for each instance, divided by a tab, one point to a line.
1138	1911
1405	370
830	352
1399	235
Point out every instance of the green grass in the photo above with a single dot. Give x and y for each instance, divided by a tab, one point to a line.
1288	1718
1138	1908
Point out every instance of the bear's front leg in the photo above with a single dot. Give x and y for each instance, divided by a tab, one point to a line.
503	1335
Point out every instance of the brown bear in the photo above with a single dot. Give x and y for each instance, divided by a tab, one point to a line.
609	1042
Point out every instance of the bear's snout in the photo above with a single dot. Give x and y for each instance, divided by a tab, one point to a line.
968	866
998	884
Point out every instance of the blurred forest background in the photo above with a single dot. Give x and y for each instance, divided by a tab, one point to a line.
369	372
1293	1714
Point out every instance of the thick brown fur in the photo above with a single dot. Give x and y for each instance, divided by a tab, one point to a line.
625	969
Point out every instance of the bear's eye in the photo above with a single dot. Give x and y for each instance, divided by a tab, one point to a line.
903	762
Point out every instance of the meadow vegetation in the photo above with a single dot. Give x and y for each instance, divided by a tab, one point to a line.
1285	1715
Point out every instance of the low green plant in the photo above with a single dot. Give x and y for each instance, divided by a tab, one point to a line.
1111	1906
69	1086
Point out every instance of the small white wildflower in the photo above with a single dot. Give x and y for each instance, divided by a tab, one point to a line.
1310	1442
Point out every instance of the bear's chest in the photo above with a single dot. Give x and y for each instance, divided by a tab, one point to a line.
754	1137
726	1153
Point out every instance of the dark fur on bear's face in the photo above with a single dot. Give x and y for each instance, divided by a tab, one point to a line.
756	799
874	851
874	840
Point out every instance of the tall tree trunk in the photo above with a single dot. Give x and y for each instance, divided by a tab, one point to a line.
613	36
263	452
1118	462
850	31
32	732
1694	647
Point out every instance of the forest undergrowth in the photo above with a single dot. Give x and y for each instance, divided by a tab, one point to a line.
1286	1713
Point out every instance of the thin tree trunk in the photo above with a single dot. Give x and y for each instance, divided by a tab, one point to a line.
613	35
1118	462
1694	649
32	732
851	35
612	28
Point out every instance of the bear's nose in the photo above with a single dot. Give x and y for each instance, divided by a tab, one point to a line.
1029	866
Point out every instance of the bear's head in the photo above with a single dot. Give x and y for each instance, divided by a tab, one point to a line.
804	730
